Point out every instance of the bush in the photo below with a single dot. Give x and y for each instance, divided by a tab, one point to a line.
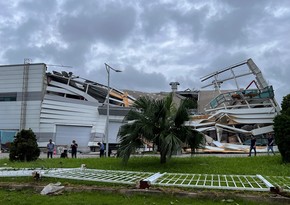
282	130
24	147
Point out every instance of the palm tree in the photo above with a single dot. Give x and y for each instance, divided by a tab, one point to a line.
158	121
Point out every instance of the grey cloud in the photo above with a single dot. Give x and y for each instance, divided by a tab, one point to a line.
39	8
17	56
111	24
73	55
242	21
130	78
141	81
188	82
24	27
256	5
228	30
156	16
181	40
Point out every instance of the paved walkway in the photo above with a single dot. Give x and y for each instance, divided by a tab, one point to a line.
44	155
96	155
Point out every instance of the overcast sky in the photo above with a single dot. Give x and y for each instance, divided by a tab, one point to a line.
153	42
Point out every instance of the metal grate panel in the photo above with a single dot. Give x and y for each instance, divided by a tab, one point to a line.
210	181
124	177
280	181
236	182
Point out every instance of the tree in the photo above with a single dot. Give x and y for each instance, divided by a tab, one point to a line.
24	147
286	105
194	141
158	121
282	129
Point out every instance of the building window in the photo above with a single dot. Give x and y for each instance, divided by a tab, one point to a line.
8	96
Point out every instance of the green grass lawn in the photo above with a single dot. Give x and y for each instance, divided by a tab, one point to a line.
30	197
264	165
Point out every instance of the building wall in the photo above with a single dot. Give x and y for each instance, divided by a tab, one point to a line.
10	115
11	84
48	108
56	110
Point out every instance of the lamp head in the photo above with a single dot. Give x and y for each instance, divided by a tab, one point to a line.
109	67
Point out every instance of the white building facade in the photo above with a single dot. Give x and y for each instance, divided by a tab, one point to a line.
57	106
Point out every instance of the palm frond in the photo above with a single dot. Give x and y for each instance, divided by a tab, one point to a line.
157	121
170	144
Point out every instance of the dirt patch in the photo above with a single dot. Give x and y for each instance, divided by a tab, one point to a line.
212	194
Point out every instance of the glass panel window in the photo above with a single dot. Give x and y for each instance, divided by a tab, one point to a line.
8	96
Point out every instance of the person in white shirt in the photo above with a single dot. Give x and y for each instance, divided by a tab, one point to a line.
50	148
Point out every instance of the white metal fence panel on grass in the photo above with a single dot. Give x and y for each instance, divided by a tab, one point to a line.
279	181
210	181
15	173
111	176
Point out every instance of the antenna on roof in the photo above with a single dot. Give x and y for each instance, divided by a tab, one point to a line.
27	60
64	66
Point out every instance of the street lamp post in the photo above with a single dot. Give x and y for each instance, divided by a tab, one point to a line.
108	68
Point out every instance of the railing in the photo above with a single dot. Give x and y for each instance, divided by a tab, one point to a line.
242	95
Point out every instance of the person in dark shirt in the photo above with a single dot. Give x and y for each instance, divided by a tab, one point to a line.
253	145
270	143
102	149
64	154
74	147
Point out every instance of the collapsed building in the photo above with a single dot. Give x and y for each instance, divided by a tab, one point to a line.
64	107
233	114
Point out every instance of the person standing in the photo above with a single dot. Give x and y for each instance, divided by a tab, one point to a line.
270	143
50	148
253	145
74	149
102	149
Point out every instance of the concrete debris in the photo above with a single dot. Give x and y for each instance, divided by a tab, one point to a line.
52	189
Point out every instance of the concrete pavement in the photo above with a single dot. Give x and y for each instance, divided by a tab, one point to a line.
96	155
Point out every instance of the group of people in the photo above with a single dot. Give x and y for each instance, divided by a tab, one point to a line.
74	147
270	145
51	149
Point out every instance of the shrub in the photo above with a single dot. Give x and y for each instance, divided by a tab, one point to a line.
24	147
282	135
282	130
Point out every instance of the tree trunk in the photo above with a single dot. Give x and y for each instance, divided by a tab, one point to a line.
192	151
163	154
162	159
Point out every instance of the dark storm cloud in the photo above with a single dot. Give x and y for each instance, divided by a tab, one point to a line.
153	42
